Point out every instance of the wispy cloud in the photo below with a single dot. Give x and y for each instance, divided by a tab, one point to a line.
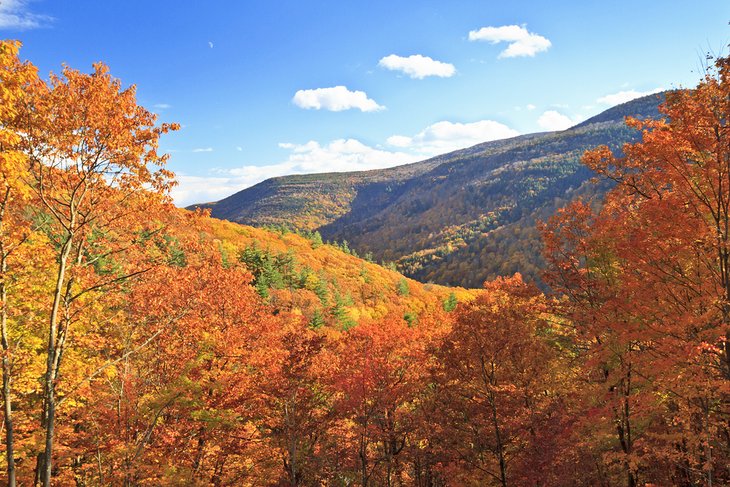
520	41
624	96
552	120
446	136
210	44
417	66
335	99
15	14
201	189
203	149
161	106
312	157
340	155
337	156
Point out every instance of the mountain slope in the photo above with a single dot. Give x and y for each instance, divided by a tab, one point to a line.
299	274
309	201
457	219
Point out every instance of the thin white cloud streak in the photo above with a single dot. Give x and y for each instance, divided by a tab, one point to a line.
203	149
335	99
521	42
417	66
202	189
446	136
624	96
552	120
336	156
340	155
15	14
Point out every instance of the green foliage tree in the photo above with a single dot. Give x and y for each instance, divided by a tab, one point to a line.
340	313
402	287
450	303
411	318
317	320
321	290
316	239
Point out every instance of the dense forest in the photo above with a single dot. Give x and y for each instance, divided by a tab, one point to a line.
148	345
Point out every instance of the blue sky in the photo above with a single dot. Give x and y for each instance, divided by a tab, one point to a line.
272	87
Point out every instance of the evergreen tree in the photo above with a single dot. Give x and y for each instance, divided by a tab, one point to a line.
411	318
317	320
316	239
321	290
450	303
339	311
402	287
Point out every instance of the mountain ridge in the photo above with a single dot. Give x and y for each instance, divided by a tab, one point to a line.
446	219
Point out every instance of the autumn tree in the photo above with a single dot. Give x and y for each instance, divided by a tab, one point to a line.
647	277
496	387
584	269
17	79
378	376
93	166
298	410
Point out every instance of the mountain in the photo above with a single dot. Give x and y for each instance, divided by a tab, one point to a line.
456	219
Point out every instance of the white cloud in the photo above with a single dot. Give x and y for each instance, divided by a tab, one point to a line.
521	41
340	155
446	136
400	141
336	156
335	99
530	106
417	66
239	148
202	189
161	106
14	14
203	149
210	44
624	96
552	120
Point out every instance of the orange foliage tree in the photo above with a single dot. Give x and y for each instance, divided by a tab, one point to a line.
18	81
649	285
91	161
297	405
378	376
497	388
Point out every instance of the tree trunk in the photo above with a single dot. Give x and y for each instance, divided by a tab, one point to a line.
500	446
7	368
53	363
364	477
7	400
490	381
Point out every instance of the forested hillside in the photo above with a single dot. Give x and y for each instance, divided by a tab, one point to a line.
148	345
456	219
